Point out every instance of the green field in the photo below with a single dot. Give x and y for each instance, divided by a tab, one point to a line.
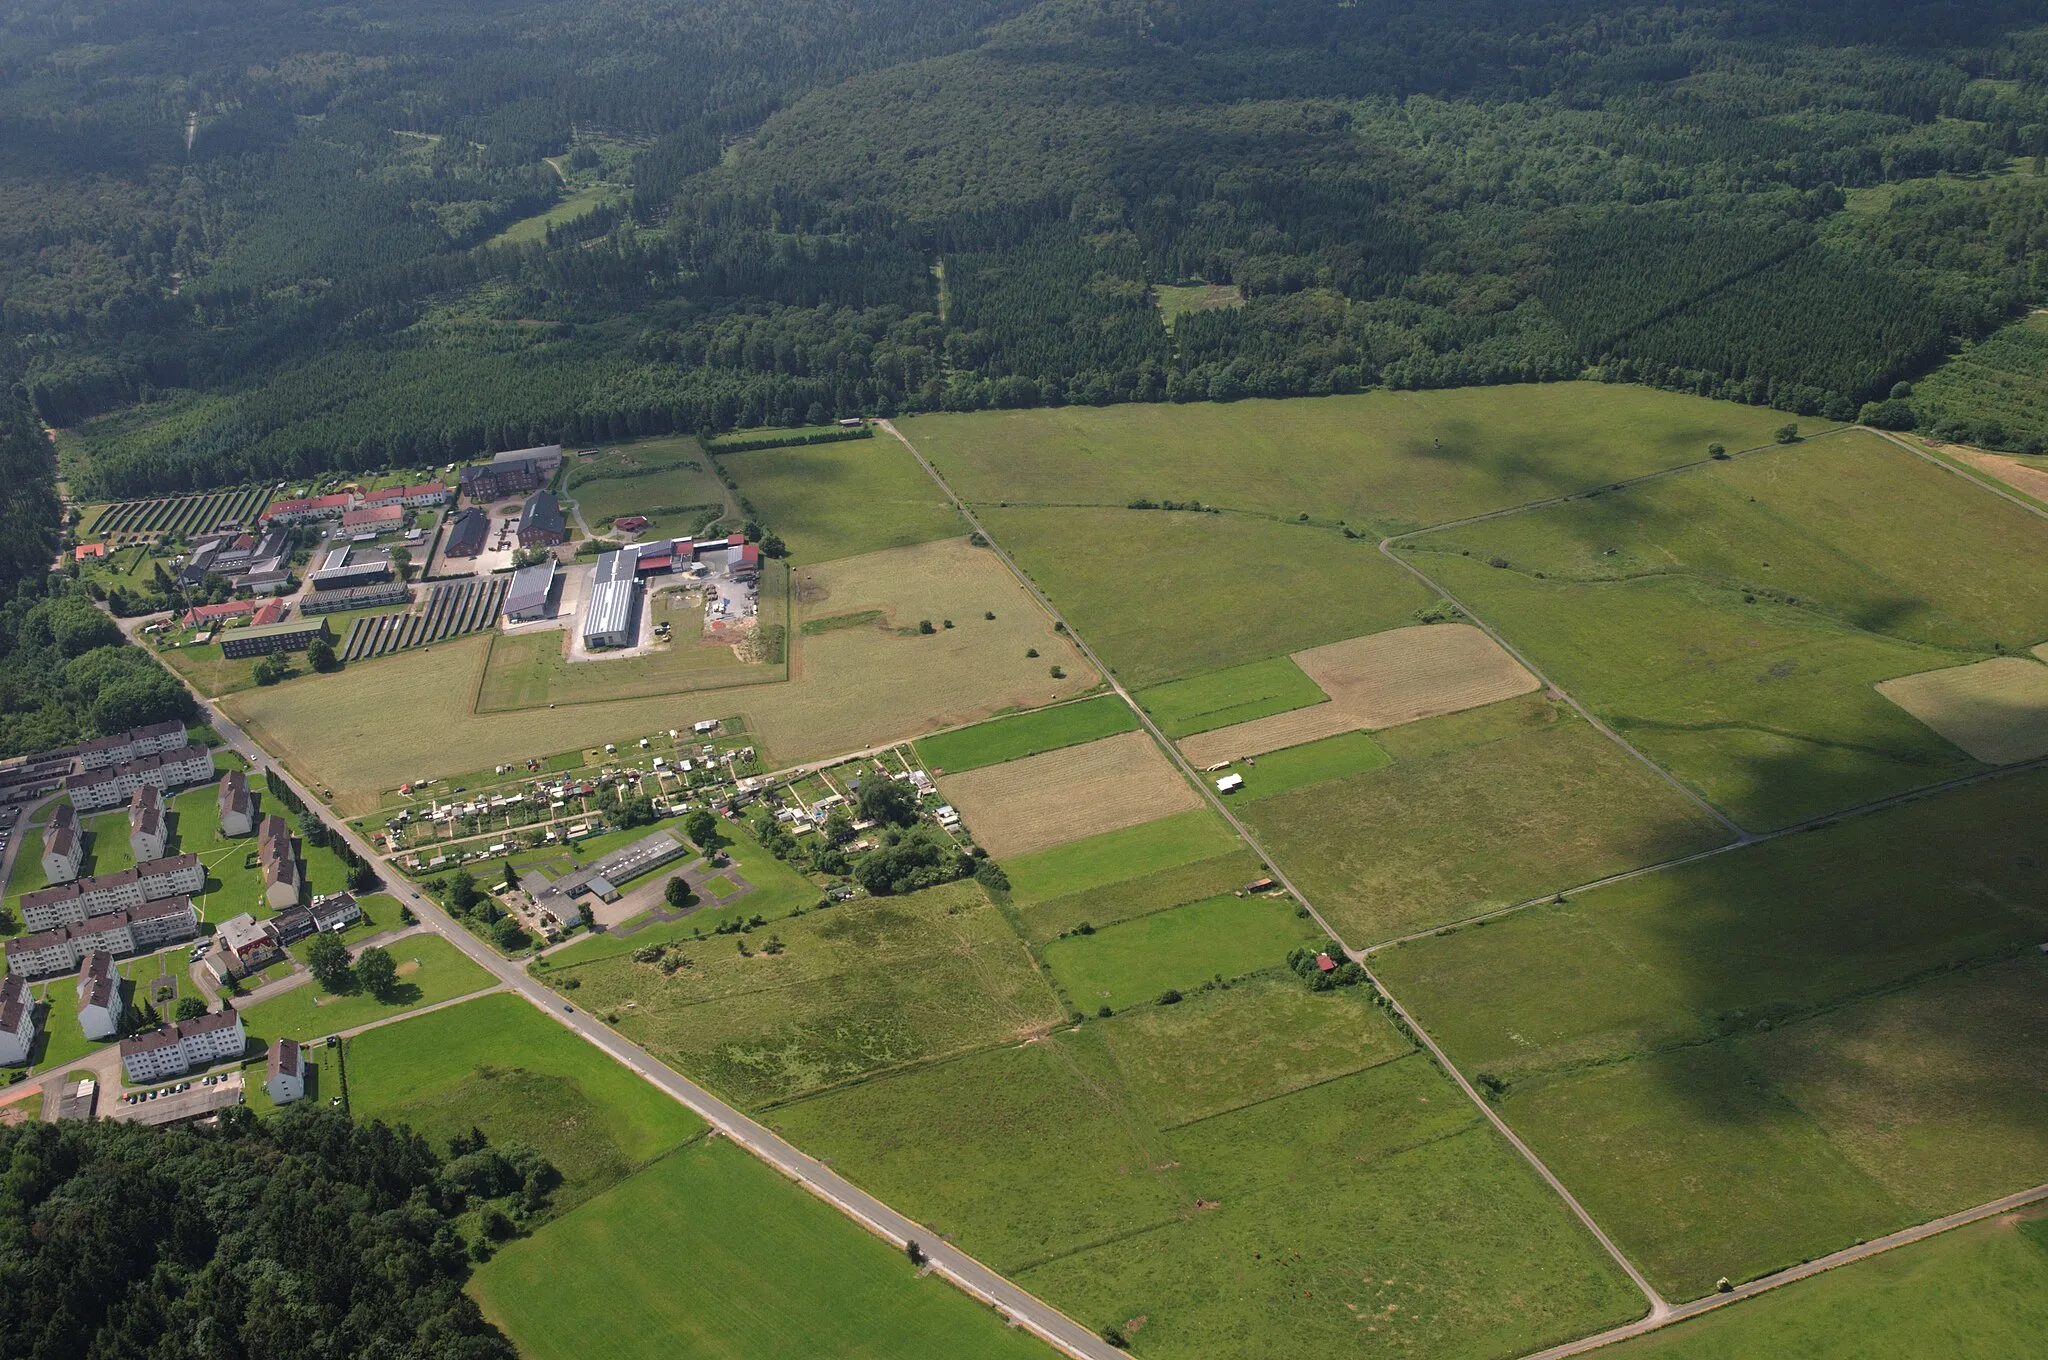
711	1253
668	480
1235	694
1774	1052
1386	461
1106	903
1476	811
858	988
1733	620
843	499
2004	381
1219	938
1026	734
429	970
531	670
1162	595
533	230
1117	855
498	1064
1315	762
1977	1293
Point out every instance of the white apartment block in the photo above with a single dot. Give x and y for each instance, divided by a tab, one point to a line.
153	740
176	1049
147	824
17	1021
120	932
70	904
236	805
106	788
99	996
63	845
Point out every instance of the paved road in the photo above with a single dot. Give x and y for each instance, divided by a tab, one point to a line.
969	1274
1658	1307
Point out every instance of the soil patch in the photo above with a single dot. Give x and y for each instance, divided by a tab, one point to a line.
1059	796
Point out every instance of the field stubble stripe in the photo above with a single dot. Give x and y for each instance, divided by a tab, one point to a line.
1413	1049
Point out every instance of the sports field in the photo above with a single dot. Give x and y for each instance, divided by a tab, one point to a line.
1384	461
1217	939
1027	734
1476	811
839	500
1070	794
1733	621
372	728
1977	1293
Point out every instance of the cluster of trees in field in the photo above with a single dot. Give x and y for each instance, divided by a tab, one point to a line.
899	205
302	1234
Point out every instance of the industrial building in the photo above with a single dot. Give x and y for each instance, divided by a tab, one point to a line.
611	613
348	566
356	597
532	587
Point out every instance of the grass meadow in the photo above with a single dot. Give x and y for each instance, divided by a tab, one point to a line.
1977	1293
711	1253
1235	694
668	480
1027	734
1775	1052
1315	762
411	717
855	989
1112	857
1475	811
839	500
1219	938
1163	595
1145	892
430	969
1384	461
1732	621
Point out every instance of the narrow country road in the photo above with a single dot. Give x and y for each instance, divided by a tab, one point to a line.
1025	1310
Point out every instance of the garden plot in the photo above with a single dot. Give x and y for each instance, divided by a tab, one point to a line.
1996	710
1059	796
1377	681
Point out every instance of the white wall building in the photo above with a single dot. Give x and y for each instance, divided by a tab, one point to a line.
63	845
176	1049
70	904
148	926
148	827
285	1074
17	1021
134	744
236	805
99	996
97	789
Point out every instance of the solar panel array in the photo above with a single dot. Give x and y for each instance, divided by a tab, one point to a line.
445	611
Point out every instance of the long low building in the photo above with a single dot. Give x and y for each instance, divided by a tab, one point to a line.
295	636
176	1049
134	931
154	740
174	769
356	597
67	904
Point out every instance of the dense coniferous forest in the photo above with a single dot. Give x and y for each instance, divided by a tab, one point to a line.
253	239
303	1235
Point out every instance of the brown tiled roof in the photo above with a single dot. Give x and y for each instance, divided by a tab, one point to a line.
14	999
98	984
284	1058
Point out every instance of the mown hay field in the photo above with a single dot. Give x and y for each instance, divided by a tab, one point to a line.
1477	810
829	501
1078	791
1996	710
1138	893
411	716
1733	621
2028	478
1382	680
1137	961
1384	461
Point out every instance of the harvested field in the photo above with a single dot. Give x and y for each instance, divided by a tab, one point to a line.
2028	478
1379	680
1996	710
1061	796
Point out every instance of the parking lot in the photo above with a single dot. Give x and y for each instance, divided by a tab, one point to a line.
165	1103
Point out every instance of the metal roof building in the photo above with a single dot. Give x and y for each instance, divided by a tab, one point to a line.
608	615
531	586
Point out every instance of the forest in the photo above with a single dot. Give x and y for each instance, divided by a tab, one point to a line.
301	1235
251	240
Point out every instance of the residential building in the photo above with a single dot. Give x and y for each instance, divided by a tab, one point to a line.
308	508
532	587
129	931
281	877
147	824
336	911
236	805
112	788
284	1076
63	845
17	1021
85	552
176	1049
295	636
269	612
356	597
106	752
213	615
513	473
467	533
98	894
425	494
540	521
99	996
242	945
373	518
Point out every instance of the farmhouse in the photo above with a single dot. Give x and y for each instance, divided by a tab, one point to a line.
295	636
150	881
531	588
17	1021
373	518
236	805
540	521
307	509
284	1075
99	996
176	1049
130	931
133	744
147	825
111	788
466	534
63	845
281	877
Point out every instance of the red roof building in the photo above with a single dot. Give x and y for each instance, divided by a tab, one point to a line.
271	612
216	613
86	550
372	517
1325	964
630	524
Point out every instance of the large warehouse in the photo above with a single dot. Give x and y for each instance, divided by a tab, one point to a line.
611	612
